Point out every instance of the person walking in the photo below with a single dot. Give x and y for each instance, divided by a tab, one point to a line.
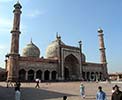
117	94
82	90
37	83
17	84
17	93
101	95
113	89
9	83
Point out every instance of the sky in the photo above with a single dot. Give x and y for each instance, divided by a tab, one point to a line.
74	20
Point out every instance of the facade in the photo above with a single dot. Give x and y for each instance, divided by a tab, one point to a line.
62	62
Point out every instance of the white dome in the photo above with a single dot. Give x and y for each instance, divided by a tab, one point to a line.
53	49
31	50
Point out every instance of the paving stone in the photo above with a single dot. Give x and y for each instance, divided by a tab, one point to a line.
55	91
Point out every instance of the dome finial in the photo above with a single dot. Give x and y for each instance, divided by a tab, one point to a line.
17	1
18	5
56	34
31	41
100	30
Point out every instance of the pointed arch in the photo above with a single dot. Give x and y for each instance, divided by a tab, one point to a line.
31	75
66	74
72	66
22	73
53	75
46	75
39	74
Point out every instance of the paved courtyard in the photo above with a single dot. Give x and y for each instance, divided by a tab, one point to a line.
55	91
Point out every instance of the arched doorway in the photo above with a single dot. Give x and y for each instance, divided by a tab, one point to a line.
46	75
39	74
71	67
66	74
22	73
54	75
96	77
30	75
83	76
92	76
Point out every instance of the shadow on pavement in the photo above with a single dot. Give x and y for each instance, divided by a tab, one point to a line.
40	94
30	94
6	93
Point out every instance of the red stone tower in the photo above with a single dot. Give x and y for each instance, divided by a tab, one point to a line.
13	56
102	53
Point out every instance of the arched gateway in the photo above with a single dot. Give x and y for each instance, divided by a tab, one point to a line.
71	68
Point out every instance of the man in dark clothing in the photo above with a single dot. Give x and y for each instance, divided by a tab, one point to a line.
18	84
64	97
117	94
37	83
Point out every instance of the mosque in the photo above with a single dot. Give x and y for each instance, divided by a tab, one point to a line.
61	63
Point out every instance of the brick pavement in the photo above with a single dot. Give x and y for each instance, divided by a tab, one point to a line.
55	91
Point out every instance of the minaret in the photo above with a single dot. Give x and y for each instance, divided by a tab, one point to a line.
80	46
102	53
60	72
16	29
81	67
14	52
102	47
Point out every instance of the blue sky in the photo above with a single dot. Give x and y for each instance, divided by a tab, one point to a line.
74	20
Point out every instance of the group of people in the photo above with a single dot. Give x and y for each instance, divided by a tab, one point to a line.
101	95
17	88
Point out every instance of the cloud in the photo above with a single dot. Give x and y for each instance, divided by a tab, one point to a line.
2	46
35	13
4	49
4	1
5	24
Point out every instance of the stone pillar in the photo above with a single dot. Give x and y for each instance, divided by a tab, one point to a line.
56	76
34	75
50	76
99	76
62	69
90	76
42	75
96	77
80	66
26	75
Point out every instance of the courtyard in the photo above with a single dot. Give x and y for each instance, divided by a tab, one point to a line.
56	90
